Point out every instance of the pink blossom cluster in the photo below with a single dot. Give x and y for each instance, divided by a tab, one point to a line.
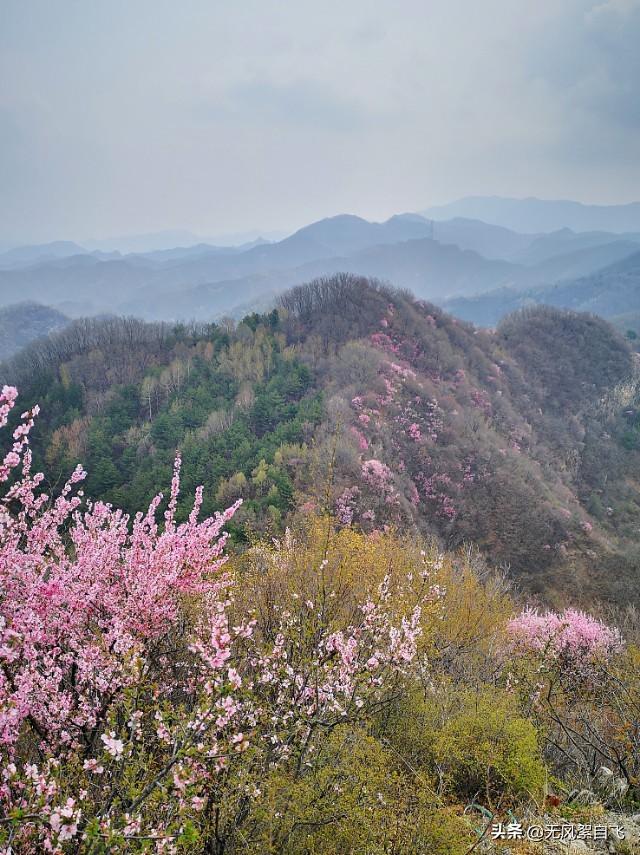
390	390
347	670
361	439
435	488
12	458
419	418
384	342
392	376
345	505
367	415
89	601
379	478
572	637
377	488
432	417
402	371
414	496
415	432
351	668
7	400
93	611
376	474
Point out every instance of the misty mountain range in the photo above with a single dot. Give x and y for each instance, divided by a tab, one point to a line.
479	258
541	215
613	293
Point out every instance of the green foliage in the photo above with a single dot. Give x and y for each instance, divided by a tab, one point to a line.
631	439
487	748
355	800
571	358
474	742
228	401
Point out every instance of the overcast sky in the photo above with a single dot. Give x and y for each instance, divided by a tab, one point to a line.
124	116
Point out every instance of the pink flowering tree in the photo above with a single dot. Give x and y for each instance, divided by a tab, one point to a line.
140	708
571	640
566	668
95	712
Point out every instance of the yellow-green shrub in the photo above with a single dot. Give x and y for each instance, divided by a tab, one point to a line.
355	800
487	749
467	744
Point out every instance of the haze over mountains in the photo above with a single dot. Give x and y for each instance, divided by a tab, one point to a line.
479	257
22	323
541	215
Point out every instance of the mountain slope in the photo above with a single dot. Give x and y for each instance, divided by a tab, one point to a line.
430	269
375	406
88	284
346	234
584	261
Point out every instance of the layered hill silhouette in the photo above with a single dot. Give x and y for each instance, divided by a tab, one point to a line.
365	402
22	323
613	292
438	261
542	215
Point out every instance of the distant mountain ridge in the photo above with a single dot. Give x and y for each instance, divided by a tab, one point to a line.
566	240
541	215
439	260
430	269
84	284
39	253
485	238
611	292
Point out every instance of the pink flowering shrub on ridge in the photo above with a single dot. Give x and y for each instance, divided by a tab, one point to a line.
572	638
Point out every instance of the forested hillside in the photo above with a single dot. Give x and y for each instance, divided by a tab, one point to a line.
358	400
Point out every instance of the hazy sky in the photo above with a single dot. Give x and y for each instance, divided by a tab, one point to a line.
121	116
